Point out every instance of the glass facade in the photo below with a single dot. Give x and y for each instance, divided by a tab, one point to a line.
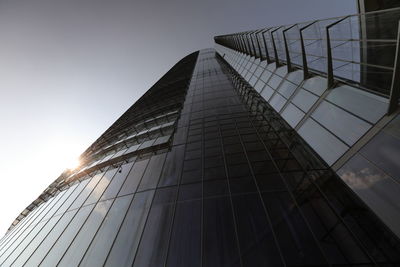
335	83
228	160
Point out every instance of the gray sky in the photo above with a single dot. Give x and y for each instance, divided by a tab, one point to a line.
70	68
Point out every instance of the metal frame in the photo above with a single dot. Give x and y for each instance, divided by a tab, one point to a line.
252	43
255	48
395	87
329	67
258	43
288	62
248	43
265	45
303	50
274	46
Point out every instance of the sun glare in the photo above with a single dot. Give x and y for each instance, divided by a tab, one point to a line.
66	157
73	163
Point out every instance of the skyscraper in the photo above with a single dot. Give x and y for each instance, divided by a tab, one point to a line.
255	153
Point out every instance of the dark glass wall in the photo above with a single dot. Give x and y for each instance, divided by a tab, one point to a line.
228	184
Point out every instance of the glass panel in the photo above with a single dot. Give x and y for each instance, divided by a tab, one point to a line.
219	237
162	140
101	186
36	241
154	243
67	193
274	81
124	248
173	166
116	183
361	103
147	144
292	115
259	85
47	243
190	191
253	80
25	222
77	249
316	84
281	71
344	125
17	247
133	148
152	173
277	102
271	66
86	192
101	245
185	247
304	100
58	249
379	191
215	188
256	239
180	134
324	143
287	88
45	211
267	92
297	243
384	151
10	246
72	197
265	76
393	127
133	179
120	153
295	76
258	72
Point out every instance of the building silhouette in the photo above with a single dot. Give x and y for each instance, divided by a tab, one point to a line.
273	149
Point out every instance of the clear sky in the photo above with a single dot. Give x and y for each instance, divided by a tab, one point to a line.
70	68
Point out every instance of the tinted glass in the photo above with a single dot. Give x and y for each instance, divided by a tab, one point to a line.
62	243
134	177
154	242
83	239
304	100
220	247
97	252
86	191
173	166
152	173
377	189
324	143
344	125
125	245
101	186
117	181
185	246
363	104
384	151
292	115
51	238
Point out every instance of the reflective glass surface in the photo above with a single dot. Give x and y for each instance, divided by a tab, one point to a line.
375	187
322	141
344	125
304	100
229	183
362	104
292	115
